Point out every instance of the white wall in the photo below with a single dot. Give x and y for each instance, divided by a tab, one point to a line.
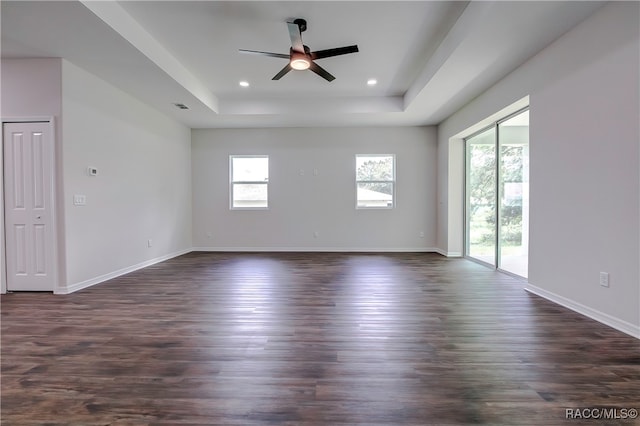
32	89
302	205
143	187
585	182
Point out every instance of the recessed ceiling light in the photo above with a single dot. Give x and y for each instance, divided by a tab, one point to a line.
244	83
372	82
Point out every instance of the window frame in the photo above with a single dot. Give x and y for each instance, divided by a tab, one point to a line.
232	182
392	182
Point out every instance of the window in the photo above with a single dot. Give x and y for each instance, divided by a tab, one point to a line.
375	181
249	181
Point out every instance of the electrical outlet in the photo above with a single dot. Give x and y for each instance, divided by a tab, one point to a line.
421	234
316	234
149	243
604	279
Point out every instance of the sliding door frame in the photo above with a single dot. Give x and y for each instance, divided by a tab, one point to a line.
498	193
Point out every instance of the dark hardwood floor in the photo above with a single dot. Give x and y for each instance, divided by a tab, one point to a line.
308	339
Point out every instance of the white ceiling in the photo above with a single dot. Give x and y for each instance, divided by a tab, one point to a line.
430	58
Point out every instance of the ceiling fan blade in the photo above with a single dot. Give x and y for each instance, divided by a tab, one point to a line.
256	52
321	71
334	52
282	72
296	37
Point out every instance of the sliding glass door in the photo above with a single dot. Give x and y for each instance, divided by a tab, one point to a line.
513	231
481	197
497	195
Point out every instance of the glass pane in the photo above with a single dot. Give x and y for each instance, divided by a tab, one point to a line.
253	195
375	194
374	167
250	169
481	197
513	137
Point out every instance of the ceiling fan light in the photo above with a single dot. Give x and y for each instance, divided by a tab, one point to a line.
300	62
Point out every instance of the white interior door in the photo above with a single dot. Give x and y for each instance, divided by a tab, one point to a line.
28	206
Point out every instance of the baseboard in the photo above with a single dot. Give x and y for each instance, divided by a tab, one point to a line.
102	278
618	324
321	249
448	253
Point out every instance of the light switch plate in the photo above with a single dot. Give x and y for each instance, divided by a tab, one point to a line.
79	200
604	279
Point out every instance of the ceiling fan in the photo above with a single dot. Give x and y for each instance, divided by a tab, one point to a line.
300	56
